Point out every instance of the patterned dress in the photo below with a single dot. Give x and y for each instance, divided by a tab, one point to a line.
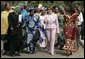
42	32
42	38
70	31
32	23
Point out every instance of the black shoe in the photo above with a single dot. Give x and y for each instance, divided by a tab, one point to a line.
17	54
31	52
34	52
68	54
61	48
11	54
56	45
27	52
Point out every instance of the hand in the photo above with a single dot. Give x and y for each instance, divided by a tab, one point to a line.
11	28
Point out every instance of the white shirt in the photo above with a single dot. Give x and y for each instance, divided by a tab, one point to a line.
80	18
42	20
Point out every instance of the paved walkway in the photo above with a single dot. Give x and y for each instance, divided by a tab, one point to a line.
44	54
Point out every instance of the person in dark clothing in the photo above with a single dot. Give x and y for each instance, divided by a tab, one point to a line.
82	27
14	33
82	30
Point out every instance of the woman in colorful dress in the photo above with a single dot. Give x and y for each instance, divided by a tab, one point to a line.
32	24
70	31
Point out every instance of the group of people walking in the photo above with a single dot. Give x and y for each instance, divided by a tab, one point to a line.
46	27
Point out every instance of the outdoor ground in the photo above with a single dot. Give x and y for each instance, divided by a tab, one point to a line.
44	54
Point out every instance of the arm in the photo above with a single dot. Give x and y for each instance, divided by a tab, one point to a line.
66	17
74	16
10	20
57	24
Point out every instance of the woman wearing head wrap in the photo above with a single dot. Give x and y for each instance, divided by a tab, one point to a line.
60	38
70	31
32	28
42	43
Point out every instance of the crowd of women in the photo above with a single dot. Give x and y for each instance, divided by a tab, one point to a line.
46	27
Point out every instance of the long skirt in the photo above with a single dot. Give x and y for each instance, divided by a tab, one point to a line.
70	39
42	39
29	39
15	39
32	39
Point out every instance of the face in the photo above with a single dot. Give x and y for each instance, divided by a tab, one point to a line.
22	7
43	12
56	10
46	12
31	13
8	7
37	9
49	11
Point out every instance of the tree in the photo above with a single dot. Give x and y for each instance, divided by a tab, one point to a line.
46	3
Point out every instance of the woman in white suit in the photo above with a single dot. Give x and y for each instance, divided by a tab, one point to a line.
43	32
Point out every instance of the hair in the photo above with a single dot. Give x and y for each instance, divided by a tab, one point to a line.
72	9
61	11
35	9
55	7
25	7
6	5
31	10
49	8
77	10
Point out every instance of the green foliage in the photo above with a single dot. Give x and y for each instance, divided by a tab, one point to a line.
45	3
